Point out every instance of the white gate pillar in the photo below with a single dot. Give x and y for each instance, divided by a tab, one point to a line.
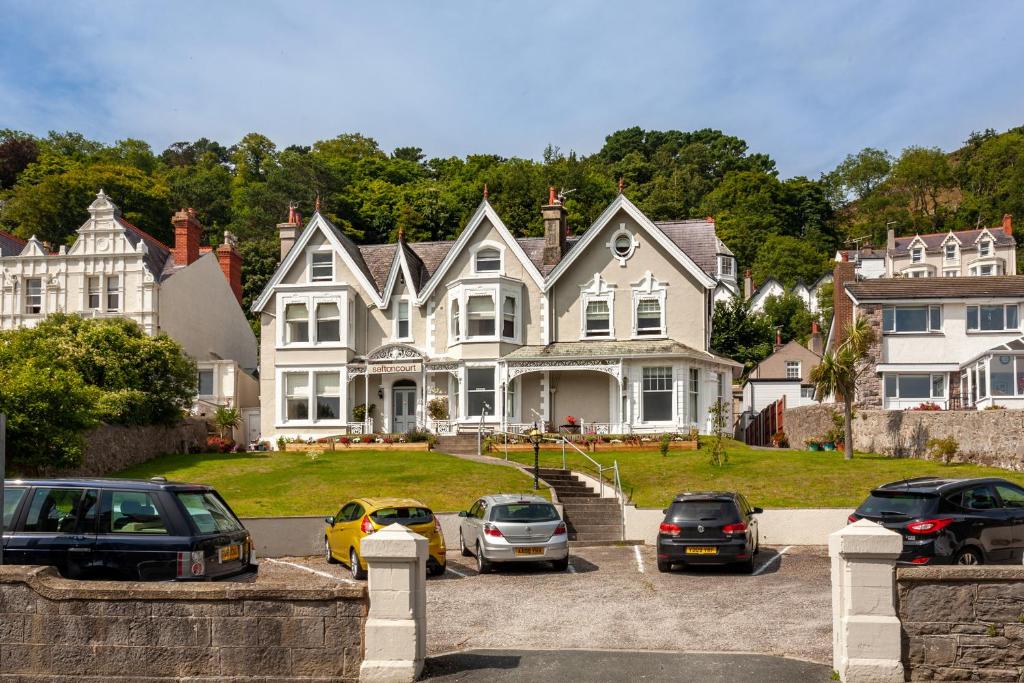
395	642
865	629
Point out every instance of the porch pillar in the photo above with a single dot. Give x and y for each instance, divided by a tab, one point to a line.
368	421
545	400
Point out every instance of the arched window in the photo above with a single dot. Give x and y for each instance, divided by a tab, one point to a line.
488	261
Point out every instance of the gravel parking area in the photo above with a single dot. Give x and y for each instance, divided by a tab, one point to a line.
615	598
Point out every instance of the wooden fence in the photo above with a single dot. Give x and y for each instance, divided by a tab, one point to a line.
765	424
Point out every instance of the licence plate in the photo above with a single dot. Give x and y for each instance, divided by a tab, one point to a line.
701	550
529	551
230	552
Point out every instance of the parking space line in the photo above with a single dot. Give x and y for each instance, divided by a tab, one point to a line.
300	566
639	559
769	562
571	569
456	572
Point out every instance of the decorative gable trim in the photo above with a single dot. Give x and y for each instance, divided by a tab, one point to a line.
951	236
620	202
985	234
400	262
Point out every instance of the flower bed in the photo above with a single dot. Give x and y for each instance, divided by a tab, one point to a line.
362	446
613	445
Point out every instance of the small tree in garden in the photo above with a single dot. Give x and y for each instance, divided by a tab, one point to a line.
226	420
943	449
839	370
666	440
719	416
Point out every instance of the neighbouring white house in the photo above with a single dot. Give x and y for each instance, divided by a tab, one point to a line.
115	269
771	287
611	327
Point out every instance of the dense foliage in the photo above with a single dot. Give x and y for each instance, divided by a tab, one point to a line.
68	374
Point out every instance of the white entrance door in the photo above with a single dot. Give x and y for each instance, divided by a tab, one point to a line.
252	426
403	402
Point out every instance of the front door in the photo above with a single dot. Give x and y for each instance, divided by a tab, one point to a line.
252	426
403	402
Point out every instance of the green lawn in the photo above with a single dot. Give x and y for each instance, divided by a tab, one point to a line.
275	483
769	478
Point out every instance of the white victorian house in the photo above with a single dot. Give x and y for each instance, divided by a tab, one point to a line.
611	327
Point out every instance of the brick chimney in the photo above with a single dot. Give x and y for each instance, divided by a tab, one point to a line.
289	230
815	343
231	263
555	228
748	285
187	231
842	307
1007	224
778	338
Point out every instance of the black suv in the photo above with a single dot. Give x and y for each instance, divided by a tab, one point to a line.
708	528
122	529
951	521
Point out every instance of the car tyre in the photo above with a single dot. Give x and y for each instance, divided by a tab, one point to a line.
436	569
560	565
969	556
327	552
664	566
747	567
483	565
462	546
358	573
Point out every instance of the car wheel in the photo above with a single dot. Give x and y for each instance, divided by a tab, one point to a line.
664	566
462	545
483	565
969	556
747	567
358	573
436	569
327	552
560	565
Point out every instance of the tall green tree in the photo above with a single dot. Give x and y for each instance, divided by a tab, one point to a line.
790	259
740	333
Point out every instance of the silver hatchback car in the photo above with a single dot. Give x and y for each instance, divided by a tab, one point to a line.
514	528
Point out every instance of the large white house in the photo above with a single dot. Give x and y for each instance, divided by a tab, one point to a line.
190	293
611	327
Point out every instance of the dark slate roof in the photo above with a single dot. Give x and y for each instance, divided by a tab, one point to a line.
697	238
417	271
534	248
933	241
10	245
378	259
882	289
613	349
431	254
157	253
355	253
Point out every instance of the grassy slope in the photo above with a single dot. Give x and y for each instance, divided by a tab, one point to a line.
270	484
769	478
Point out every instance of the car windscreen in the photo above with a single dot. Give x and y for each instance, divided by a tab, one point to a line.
406	516
210	515
897	504
703	511
524	512
12	496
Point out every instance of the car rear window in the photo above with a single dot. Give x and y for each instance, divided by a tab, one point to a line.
210	515
703	510
12	496
406	516
524	512
897	504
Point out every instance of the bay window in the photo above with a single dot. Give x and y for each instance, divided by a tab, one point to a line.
113	293
897	319
995	318
34	295
656	394
296	318
480	316
597	318
296	395
455	320
328	322
649	317
693	394
328	396
479	391
508	318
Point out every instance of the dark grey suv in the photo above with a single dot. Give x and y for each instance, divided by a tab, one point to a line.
714	527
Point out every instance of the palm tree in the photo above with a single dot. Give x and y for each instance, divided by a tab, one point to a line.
839	370
226	419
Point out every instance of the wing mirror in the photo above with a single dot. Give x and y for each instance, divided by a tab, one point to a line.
329	520
756	511
463	514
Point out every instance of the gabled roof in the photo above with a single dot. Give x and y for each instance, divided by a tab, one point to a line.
934	241
157	253
982	287
698	239
10	245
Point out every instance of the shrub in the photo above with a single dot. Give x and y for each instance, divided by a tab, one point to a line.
218	444
666	440
995	407
281	443
437	408
344	441
417	436
942	449
360	412
927	406
227	419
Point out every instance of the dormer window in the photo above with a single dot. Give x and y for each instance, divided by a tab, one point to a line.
321	266
488	261
984	248
916	255
951	251
725	268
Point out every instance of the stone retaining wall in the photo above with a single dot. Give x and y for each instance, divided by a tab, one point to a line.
52	628
962	623
986	437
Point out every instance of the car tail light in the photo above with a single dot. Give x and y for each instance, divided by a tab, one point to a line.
737	528
920	560
670	529
928	526
367	526
191	564
492	530
560	529
852	518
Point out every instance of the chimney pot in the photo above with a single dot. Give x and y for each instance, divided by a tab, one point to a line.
187	232
1007	224
289	230
846	257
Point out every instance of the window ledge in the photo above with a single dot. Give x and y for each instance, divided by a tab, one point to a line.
310	423
913	334
650	336
603	337
981	333
307	346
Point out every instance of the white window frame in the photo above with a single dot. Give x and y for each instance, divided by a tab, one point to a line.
917	254
492	414
309	263
671	391
511	403
483	246
622	230
795	366
34	300
213	382
497	292
692	388
930	328
454	320
311	372
488	293
947	256
977	330
314	328
597	289
91	292
312	300
117	291
722	270
650	288
984	248
976	269
516	316
932	376
951	272
396	303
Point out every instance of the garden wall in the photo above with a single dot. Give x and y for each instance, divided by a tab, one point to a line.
112	448
986	437
53	629
962	623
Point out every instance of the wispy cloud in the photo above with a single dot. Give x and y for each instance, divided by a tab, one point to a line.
807	82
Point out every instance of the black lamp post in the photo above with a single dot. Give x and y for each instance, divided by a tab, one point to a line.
535	437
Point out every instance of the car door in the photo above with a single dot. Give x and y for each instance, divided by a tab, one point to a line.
13	495
134	536
337	532
468	525
987	523
55	529
350	529
1011	499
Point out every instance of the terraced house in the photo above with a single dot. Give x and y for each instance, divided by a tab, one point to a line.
611	327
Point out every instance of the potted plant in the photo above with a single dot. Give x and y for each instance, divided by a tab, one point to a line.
813	444
779	439
570	425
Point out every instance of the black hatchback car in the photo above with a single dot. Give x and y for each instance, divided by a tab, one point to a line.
715	527
951	521
122	529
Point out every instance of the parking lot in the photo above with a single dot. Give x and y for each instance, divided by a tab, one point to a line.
615	598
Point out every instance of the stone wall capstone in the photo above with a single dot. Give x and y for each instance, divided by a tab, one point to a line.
985	437
962	623
53	629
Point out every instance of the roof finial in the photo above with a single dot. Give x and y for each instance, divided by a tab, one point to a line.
622	184
486	194
401	233
317	204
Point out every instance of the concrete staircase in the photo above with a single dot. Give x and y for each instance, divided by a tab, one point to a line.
458	444
591	520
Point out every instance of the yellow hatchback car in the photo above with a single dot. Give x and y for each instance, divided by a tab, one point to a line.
361	517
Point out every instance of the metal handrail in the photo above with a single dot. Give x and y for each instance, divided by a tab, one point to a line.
480	430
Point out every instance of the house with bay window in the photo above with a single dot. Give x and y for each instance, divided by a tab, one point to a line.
611	327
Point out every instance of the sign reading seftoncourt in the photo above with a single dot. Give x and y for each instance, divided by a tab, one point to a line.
392	368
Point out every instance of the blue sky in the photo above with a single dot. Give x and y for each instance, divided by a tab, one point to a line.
806	82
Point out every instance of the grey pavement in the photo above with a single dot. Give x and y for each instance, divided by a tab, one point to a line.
508	666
